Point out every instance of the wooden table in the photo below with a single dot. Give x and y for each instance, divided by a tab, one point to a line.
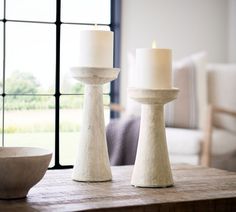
196	189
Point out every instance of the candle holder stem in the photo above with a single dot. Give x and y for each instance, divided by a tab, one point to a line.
152	165
92	162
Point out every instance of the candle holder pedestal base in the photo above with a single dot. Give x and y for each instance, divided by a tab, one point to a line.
92	162
152	166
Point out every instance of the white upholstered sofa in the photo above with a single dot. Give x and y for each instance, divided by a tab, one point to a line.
211	141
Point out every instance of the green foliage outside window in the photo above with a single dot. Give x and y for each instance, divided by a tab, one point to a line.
22	88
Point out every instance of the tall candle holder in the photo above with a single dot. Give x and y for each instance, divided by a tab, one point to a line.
92	162
152	165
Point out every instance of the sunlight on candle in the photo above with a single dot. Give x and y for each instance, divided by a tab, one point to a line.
154	44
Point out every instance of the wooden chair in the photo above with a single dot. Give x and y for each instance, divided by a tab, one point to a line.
208	131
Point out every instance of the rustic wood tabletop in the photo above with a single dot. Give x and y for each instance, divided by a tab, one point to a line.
196	189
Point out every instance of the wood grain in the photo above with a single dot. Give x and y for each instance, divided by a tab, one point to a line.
207	139
218	109
196	189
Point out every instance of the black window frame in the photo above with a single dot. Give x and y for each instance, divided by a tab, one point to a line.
115	85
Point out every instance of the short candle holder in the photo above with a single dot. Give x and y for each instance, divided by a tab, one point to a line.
152	165
92	162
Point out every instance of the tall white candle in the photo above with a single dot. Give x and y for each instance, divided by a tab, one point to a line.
96	49
154	68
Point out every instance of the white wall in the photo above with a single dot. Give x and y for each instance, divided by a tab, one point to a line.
186	26
232	32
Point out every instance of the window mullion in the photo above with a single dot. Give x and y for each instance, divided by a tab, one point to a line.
3	74
57	85
115	27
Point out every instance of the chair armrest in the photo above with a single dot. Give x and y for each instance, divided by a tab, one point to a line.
207	138
217	109
208	129
115	107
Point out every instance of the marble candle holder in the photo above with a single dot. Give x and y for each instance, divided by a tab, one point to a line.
152	165
92	162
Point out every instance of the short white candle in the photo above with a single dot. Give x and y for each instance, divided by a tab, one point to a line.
154	67
96	49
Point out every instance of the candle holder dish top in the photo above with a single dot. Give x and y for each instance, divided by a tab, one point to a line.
93	75
153	96
152	165
92	161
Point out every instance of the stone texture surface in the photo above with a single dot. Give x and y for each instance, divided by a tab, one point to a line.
152	165
20	169
92	161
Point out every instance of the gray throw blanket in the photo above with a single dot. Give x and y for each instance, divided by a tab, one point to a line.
122	140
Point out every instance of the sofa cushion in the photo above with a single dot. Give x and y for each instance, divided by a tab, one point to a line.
183	141
122	140
221	91
188	142
187	111
183	112
188	159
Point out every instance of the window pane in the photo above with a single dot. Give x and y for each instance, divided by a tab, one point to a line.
33	10
86	11
70	123
30	58
107	88
1	56
69	55
1	8
106	101
30	121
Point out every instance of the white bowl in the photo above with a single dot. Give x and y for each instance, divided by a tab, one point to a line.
20	169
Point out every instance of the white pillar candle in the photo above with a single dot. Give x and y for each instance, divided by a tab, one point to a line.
154	68
96	49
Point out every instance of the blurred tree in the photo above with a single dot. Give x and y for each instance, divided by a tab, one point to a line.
21	83
78	88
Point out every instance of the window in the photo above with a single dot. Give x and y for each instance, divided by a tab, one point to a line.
40	103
